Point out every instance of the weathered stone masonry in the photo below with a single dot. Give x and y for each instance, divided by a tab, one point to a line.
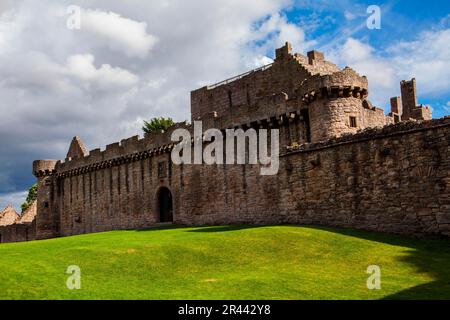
393	179
15	227
344	163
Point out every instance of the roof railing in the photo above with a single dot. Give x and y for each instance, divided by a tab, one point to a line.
267	66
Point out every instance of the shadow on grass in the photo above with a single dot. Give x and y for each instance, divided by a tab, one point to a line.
205	229
430	257
226	228
160	228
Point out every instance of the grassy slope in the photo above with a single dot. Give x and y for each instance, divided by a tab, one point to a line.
283	262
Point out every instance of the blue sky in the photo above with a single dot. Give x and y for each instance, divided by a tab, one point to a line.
330	23
401	20
135	60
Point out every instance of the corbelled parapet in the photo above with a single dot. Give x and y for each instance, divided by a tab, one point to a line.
345	83
126	151
44	168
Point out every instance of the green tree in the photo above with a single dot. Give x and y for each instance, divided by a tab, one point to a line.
157	125
32	196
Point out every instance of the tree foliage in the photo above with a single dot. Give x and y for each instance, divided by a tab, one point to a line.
32	196
157	125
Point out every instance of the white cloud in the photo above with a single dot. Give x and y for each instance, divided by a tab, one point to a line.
259	61
447	107
363	58
427	59
82	67
119	33
276	30
349	15
5	5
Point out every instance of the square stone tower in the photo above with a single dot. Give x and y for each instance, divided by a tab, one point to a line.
409	97
411	107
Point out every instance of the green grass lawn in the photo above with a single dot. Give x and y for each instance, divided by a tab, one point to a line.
236	262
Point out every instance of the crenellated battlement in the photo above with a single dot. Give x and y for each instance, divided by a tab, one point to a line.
127	150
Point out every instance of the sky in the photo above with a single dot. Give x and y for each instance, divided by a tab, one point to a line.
138	59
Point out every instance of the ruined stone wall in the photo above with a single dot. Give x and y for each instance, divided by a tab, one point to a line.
18	233
394	179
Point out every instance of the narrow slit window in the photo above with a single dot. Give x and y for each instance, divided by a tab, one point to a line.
353	123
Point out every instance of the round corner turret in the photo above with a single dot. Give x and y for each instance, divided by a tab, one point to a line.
42	168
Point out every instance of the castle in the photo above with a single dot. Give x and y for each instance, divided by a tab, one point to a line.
343	162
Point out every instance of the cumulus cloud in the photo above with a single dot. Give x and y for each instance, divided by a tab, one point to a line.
426	58
118	33
274	31
82	67
5	5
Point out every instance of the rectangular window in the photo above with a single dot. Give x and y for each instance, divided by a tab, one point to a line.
353	123
305	116
162	171
230	99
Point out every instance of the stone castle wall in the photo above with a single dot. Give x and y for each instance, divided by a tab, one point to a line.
122	196
118	188
18	228
394	180
18	233
112	189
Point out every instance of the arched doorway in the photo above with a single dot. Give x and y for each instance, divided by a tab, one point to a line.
165	205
